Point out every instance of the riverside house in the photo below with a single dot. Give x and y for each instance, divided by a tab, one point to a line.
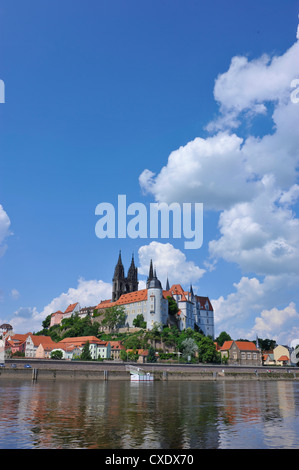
72	347
241	353
29	344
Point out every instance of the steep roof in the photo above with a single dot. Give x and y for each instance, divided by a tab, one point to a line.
176	289
45	341
203	301
18	338
242	345
71	308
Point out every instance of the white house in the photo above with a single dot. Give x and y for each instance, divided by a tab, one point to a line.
72	347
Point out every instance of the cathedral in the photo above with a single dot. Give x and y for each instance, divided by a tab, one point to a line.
121	284
195	312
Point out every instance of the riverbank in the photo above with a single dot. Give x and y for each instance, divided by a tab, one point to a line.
55	370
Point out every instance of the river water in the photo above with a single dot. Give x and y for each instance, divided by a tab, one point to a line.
158	415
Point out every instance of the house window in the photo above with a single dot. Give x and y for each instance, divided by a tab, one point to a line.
249	355
243	355
254	355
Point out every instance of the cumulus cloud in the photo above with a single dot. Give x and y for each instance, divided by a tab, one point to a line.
87	293
4	229
270	322
205	170
261	236
259	307
248	86
169	262
251	181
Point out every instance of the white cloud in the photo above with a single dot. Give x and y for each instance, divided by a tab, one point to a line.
249	85
205	170
251	181
239	305
169	262
87	293
258	308
271	322
14	293
261	236
4	229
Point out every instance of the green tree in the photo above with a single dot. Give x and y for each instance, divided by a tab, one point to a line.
46	322
189	348
266	344
207	350
172	306
56	355
139	322
85	355
133	342
133	356
151	355
222	338
123	355
114	317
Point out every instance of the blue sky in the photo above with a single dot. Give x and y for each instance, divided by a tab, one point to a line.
162	101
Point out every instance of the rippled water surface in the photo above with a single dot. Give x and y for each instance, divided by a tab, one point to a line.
167	415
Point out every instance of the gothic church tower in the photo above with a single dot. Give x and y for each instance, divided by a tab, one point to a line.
122	284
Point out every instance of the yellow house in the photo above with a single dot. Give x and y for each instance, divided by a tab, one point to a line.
281	356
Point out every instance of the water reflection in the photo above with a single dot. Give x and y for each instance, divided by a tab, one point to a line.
167	415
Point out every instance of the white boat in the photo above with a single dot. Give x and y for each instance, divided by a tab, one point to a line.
139	375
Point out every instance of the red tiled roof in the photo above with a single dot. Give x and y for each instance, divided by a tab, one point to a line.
140	352
56	313
283	358
176	289
242	345
81	340
203	301
116	345
46	341
19	337
71	308
129	298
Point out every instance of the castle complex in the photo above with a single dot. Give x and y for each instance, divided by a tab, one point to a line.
194	311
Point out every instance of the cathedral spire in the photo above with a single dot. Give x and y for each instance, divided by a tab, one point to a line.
150	274
167	284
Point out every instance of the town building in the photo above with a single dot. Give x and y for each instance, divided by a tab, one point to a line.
241	353
30	345
16	343
72	347
5	329
58	316
281	355
116	348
